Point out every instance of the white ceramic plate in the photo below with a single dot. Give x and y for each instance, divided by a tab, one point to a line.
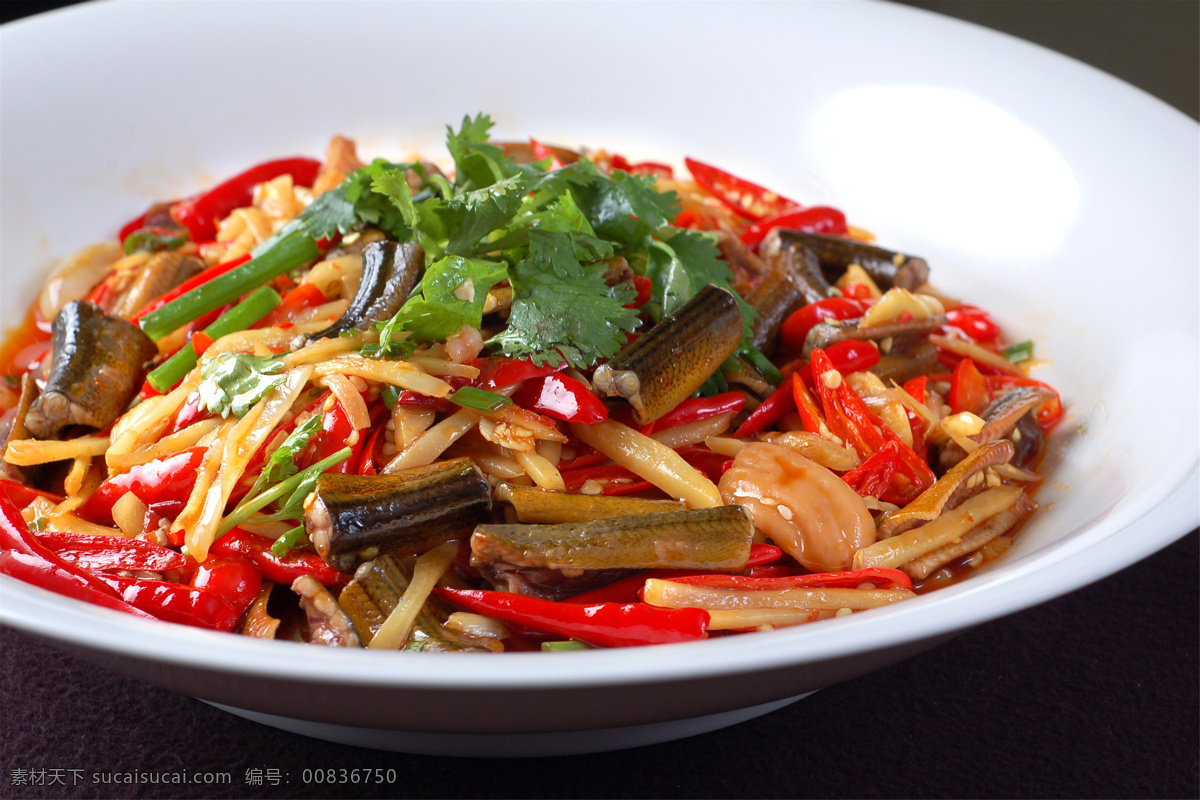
1034	185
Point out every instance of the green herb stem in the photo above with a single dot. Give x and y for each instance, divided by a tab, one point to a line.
569	644
284	255
288	542
479	399
1021	351
247	508
238	318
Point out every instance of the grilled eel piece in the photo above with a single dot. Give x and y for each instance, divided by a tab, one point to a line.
98	366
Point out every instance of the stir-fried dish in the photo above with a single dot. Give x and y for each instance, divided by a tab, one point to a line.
540	399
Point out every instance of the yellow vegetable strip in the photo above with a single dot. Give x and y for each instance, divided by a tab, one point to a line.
428	569
397	373
147	419
670	594
241	443
650	460
444	368
975	353
544	474
323	349
433	442
693	432
951	526
29	452
498	466
180	440
129	513
67	522
761	617
351	400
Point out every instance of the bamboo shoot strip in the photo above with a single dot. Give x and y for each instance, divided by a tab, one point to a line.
238	318
286	254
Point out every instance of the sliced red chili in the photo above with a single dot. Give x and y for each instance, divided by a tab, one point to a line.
162	484
968	389
281	569
563	398
100	552
739	195
601	624
201	213
816	219
796	327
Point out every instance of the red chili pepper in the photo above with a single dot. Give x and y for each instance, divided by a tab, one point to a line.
191	283
857	291
711	464
846	415
796	327
761	553
23	557
201	213
306	295
642	168
817	219
851	355
131	226
810	415
777	405
99	552
878	577
175	602
968	389
691	219
162	484
233	578
872	477
561	397
695	409
187	413
367	465
628	589
916	388
30	357
613	478
645	288
603	624
498	371
335	430
738	194
23	495
281	569
201	341
974	322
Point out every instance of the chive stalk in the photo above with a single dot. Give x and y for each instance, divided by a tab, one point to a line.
285	487
288	542
164	377
1021	351
479	399
286	254
569	644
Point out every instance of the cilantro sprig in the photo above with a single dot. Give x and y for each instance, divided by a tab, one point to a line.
549	234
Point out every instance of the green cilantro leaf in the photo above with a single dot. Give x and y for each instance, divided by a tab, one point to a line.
681	263
234	382
451	295
565	252
577	318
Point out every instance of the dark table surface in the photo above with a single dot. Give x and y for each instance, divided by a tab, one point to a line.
1092	695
